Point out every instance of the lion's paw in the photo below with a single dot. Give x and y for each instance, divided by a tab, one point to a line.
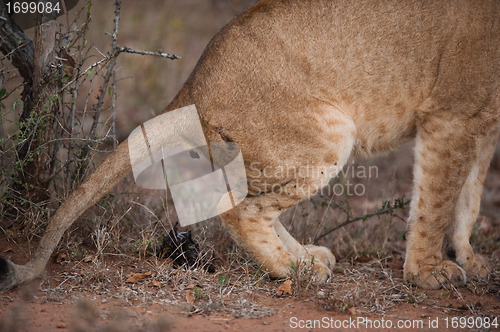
435	277
322	272
285	268
321	258
323	261
476	267
322	254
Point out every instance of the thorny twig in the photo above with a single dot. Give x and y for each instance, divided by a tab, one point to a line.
387	208
157	53
115	51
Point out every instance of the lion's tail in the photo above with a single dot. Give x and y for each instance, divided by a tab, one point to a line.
113	169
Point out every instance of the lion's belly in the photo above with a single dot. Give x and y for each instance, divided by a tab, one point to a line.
382	129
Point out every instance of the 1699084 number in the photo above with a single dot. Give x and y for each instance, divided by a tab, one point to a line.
472	322
33	7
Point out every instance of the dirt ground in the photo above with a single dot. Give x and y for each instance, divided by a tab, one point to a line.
85	296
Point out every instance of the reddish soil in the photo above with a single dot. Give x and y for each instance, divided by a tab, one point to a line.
90	296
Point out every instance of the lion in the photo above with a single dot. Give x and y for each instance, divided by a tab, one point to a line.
310	83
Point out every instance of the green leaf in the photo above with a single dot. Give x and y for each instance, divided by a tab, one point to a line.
3	92
223	280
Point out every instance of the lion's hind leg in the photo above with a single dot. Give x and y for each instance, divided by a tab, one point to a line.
252	226
306	253
312	162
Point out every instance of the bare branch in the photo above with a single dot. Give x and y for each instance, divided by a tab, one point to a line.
159	53
386	209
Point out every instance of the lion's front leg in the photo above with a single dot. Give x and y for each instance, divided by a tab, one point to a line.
444	156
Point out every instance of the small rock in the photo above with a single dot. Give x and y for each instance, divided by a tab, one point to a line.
61	325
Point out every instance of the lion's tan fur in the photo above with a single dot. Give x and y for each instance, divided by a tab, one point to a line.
309	83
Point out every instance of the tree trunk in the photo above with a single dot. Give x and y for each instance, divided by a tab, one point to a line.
40	121
19	48
39	66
